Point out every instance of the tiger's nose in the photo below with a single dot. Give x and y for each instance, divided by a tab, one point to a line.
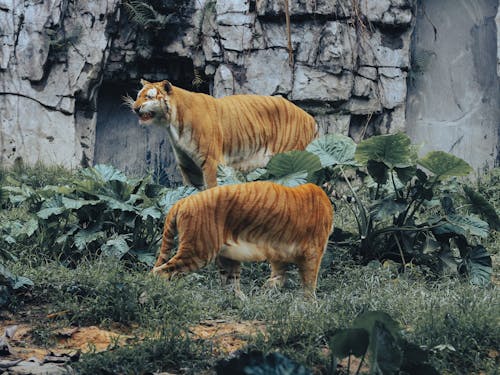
137	110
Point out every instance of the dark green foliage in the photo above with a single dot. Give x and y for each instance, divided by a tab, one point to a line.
350	341
481	206
395	224
100	211
293	168
10	283
377	334
256	363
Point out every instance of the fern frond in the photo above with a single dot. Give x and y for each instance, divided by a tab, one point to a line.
144	14
198	79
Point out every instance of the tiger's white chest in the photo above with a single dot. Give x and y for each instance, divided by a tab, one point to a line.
244	251
184	142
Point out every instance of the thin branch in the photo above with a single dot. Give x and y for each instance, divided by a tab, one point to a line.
289	33
400	251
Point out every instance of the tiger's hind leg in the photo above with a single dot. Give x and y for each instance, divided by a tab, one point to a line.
278	275
309	270
230	274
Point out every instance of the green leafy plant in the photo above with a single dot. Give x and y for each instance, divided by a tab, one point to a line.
99	212
377	335
256	363
9	230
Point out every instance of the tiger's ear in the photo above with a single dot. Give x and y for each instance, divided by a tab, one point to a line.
144	82
167	86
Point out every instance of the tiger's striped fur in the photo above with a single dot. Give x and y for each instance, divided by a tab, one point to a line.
242	131
255	221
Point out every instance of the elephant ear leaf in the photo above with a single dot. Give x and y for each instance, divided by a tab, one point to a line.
293	168
477	264
394	150
334	149
350	341
444	165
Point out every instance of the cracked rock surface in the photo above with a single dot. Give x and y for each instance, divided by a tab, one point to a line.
64	66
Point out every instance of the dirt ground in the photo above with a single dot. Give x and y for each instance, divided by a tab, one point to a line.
18	344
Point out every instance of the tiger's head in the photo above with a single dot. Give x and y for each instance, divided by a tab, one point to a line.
153	104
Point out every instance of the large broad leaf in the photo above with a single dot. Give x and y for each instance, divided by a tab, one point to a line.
104	173
256	363
174	195
386	209
444	165
394	150
406	174
470	224
350	341
13	281
378	171
53	206
85	237
75	204
144	257
293	163
29	227
368	319
333	149
115	204
292	179
482	207
116	247
386	356
45	213
151	212
153	190
478	265
21	282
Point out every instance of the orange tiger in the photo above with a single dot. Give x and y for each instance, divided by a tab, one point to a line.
255	221
242	131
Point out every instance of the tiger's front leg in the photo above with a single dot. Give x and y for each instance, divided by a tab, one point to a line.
230	275
210	172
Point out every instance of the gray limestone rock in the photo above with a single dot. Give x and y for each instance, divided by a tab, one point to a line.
318	85
65	65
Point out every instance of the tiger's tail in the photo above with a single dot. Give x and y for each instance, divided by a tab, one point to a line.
168	238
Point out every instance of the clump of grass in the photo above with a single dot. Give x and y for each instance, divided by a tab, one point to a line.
37	175
104	291
171	351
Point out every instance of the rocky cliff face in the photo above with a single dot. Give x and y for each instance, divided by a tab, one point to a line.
453	91
51	64
65	65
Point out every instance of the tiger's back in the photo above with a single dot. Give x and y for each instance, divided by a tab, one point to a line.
255	221
257	126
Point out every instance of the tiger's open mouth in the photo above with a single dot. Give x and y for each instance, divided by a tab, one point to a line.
146	116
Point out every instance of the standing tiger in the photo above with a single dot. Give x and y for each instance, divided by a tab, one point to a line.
242	131
255	221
